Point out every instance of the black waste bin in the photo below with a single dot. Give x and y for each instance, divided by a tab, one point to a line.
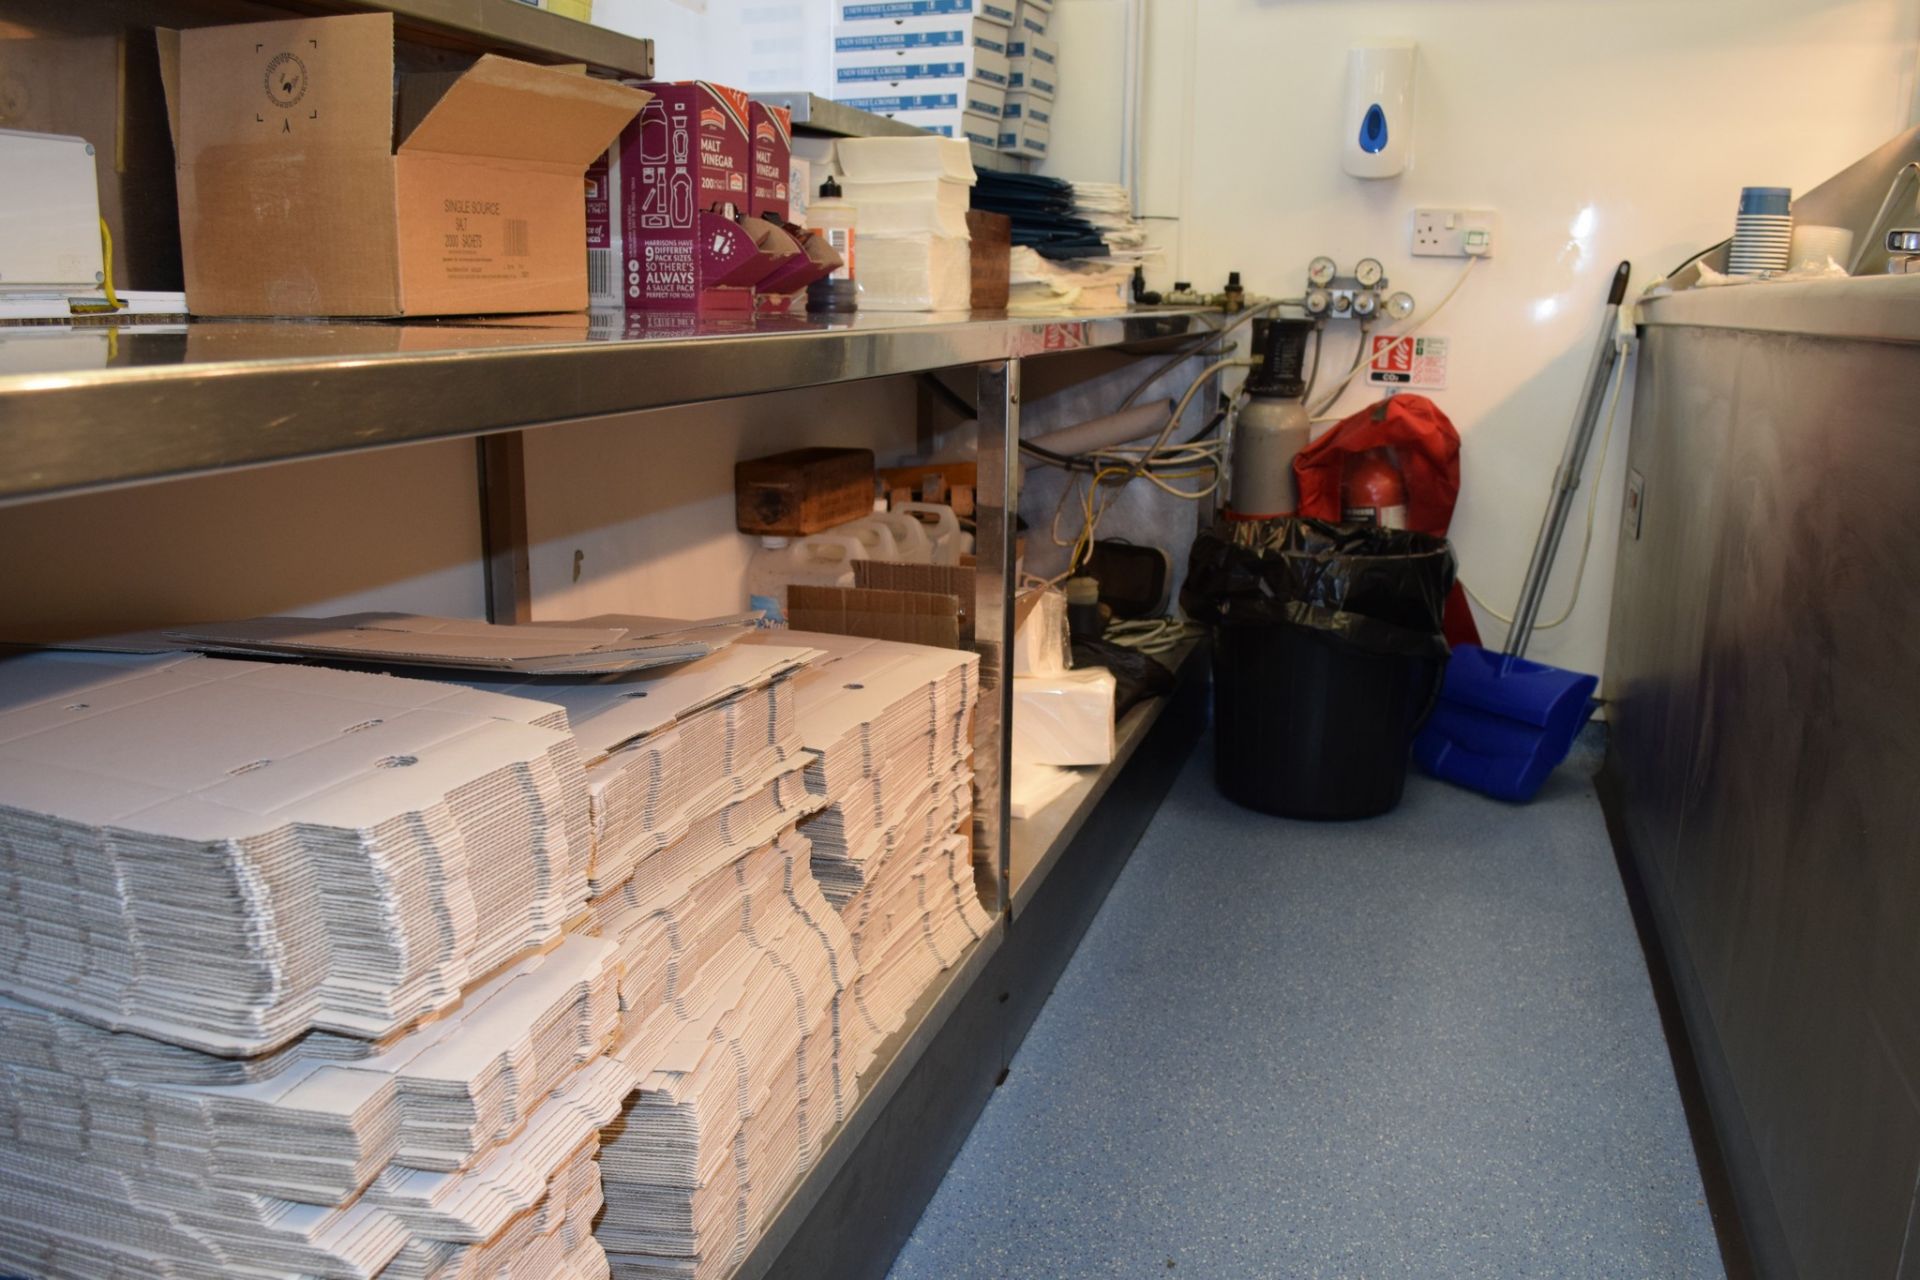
1328	655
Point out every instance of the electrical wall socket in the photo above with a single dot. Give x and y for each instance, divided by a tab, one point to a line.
1454	233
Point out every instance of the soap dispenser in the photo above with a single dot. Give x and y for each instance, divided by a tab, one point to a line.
1377	126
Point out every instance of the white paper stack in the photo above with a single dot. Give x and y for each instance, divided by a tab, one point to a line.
1042	286
226	854
891	725
912	196
1109	207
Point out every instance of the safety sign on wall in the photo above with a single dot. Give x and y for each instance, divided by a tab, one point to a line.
1408	362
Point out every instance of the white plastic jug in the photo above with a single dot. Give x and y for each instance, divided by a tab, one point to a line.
820	560
910	540
875	535
942	529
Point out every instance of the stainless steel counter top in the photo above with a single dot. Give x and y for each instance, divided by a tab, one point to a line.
1879	308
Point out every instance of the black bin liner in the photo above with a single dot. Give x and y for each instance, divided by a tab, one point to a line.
1328	655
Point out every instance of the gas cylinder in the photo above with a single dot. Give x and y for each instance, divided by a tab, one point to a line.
1273	426
1373	491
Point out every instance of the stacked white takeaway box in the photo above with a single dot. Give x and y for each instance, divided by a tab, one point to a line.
890	725
912	196
282	878
423	971
735	976
943	65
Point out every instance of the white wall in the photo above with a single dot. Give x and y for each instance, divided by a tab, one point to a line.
393	529
645	502
755	45
636	514
1600	129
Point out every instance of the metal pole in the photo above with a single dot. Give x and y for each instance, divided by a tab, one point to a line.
1566	479
997	504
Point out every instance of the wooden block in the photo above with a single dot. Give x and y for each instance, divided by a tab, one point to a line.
992	235
802	491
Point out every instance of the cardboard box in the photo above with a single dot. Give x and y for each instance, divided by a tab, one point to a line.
979	79
918	37
769	189
934	579
479	211
1025	138
908	617
897	67
939	113
1034	64
1027	106
677	181
848	12
1031	19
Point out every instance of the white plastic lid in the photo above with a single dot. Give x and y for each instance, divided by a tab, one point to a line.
772	542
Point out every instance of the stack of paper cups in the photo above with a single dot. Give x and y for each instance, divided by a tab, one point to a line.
1763	233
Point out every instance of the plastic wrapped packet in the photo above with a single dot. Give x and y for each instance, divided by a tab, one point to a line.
1065	719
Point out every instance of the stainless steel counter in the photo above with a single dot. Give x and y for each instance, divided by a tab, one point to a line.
90	406
1765	660
1873	308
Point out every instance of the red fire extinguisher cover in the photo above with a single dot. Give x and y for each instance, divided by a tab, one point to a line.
1428	450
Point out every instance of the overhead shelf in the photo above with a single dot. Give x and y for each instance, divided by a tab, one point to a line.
94	405
505	26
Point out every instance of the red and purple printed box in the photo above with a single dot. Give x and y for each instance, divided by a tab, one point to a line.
674	186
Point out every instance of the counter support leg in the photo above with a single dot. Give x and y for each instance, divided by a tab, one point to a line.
997	504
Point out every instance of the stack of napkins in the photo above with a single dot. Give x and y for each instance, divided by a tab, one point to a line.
1108	206
891	725
1046	286
913	195
225	855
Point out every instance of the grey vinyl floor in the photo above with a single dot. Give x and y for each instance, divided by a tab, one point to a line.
1424	1045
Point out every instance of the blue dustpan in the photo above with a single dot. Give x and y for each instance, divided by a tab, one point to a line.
1502	724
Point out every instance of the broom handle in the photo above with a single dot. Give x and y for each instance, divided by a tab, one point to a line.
1566	480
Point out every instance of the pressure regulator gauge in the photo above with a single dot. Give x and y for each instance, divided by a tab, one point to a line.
1369	272
1400	305
1321	271
1318	300
1365	304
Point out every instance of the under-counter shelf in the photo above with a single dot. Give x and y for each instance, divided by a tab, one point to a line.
1035	843
88	406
